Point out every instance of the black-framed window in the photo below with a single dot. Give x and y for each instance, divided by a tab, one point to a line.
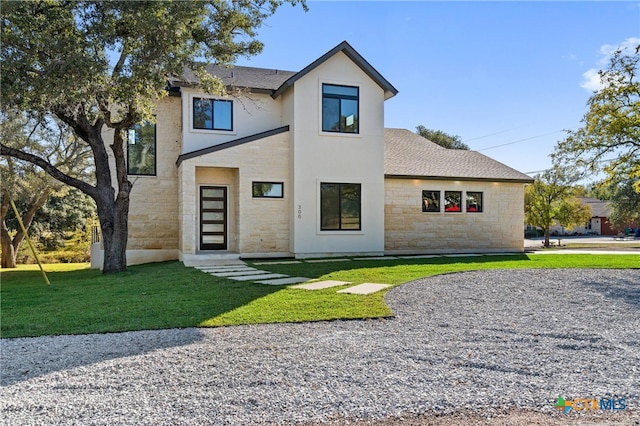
340	206
267	189
141	149
430	201
340	109
474	202
212	114
452	201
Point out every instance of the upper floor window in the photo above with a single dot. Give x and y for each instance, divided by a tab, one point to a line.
340	206
141	149
212	114
340	109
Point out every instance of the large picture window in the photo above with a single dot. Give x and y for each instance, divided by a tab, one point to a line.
340	109
430	201
474	202
212	114
452	201
141	149
340	206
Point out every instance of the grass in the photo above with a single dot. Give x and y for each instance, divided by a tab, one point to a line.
168	295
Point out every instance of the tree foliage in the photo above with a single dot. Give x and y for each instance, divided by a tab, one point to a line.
623	200
551	198
97	65
441	138
27	185
609	139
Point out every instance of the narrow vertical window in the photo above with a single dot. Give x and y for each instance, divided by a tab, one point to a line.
474	202
141	149
340	206
340	109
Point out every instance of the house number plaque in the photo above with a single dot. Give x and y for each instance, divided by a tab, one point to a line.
299	211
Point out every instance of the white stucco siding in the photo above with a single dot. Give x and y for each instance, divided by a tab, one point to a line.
252	113
339	158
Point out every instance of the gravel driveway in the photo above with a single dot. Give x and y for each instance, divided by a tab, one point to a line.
475	343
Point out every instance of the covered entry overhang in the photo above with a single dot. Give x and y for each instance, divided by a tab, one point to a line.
219	216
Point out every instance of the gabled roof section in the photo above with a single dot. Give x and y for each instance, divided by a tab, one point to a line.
230	144
409	155
344	47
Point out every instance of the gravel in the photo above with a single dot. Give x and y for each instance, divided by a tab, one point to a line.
481	343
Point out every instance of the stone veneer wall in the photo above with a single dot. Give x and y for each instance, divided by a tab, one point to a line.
410	231
153	214
257	226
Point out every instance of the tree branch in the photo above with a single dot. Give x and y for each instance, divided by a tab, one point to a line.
50	169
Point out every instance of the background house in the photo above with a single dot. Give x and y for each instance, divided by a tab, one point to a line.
598	224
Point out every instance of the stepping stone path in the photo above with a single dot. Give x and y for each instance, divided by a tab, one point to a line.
364	288
243	272
319	285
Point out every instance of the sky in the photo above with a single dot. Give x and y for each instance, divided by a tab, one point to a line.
508	77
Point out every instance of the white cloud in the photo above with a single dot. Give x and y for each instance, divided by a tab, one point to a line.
606	50
590	78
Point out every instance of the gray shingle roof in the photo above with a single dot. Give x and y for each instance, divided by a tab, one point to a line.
262	79
407	154
599	208
276	81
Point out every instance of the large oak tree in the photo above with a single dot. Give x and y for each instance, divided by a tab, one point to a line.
97	65
609	139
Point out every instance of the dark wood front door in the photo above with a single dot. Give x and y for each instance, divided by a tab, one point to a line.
213	218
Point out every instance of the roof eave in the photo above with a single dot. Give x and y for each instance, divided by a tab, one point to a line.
344	47
458	178
229	88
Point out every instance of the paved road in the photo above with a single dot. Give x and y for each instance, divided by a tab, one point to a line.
599	239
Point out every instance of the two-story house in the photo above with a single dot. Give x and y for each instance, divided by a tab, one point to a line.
298	164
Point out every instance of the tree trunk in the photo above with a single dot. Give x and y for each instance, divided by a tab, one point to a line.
113	210
113	216
10	246
546	237
8	252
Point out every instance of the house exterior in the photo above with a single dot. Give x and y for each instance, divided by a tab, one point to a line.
298	164
598	224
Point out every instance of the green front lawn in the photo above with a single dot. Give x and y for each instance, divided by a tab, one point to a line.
168	295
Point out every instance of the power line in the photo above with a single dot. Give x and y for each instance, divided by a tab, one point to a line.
519	140
493	134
